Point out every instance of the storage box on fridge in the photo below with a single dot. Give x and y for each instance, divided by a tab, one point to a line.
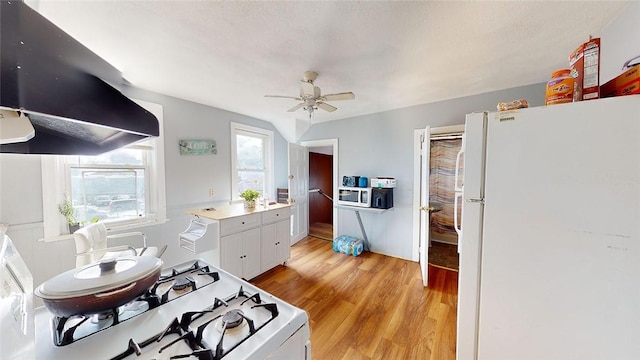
584	63
626	83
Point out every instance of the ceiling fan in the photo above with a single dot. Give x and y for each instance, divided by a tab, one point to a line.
311	97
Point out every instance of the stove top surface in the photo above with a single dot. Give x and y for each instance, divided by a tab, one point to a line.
224	317
173	283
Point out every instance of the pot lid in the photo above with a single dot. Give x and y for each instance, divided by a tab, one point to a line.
98	277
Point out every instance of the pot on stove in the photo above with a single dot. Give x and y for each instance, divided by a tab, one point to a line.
100	286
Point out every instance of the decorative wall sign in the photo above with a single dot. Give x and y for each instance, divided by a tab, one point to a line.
197	147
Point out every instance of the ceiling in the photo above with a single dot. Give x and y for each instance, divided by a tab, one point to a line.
390	54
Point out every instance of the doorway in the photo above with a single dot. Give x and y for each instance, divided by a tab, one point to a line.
442	193
321	193
444	145
323	183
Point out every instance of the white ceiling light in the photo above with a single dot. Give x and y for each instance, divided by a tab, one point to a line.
311	97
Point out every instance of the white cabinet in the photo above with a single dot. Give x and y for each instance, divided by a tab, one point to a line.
251	241
240	245
275	244
240	253
283	245
276	235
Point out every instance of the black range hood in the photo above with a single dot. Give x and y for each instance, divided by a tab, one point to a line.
63	88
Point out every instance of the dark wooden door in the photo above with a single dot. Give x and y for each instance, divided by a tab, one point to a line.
320	177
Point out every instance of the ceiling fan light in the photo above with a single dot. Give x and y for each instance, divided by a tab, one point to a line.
312	98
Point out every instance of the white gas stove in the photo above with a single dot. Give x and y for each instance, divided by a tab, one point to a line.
194	311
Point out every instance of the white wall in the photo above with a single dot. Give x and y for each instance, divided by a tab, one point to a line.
620	41
188	179
382	145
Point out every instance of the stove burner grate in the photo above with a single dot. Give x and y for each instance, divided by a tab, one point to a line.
182	280
200	349
67	330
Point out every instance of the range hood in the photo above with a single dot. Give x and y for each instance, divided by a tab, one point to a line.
63	89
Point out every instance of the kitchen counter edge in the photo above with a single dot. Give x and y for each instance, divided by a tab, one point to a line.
231	211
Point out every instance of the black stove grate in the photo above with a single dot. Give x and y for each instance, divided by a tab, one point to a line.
150	298
200	349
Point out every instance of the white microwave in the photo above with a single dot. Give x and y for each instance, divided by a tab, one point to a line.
354	196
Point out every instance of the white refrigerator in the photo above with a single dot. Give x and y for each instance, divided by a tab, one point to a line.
550	247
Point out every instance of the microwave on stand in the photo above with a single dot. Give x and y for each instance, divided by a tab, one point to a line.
354	196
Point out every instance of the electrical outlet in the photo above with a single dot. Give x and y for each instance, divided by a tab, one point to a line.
212	193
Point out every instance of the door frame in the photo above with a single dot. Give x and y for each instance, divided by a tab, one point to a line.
417	134
334	144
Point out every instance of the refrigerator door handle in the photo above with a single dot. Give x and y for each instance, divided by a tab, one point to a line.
456	221
457	175
476	201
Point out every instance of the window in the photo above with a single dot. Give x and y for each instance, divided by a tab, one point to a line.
251	160
110	187
123	188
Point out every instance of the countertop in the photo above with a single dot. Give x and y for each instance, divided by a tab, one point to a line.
230	211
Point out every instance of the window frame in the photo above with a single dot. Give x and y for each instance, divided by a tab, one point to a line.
56	181
268	151
146	167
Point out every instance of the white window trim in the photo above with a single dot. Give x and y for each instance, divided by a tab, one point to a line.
269	156
54	186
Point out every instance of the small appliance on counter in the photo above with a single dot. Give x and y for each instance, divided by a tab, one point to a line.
350	181
355	181
383	182
381	198
382	192
354	196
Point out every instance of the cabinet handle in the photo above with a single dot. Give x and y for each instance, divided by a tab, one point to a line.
243	223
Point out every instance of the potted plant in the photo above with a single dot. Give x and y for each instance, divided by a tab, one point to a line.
66	209
250	197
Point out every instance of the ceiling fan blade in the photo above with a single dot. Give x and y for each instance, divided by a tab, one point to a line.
339	96
326	107
296	107
282	96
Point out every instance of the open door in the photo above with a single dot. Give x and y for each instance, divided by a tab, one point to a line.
298	191
423	257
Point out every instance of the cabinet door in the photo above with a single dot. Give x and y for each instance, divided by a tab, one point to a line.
251	259
283	241
231	254
269	239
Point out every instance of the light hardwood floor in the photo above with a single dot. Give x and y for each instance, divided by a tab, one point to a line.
321	230
367	307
